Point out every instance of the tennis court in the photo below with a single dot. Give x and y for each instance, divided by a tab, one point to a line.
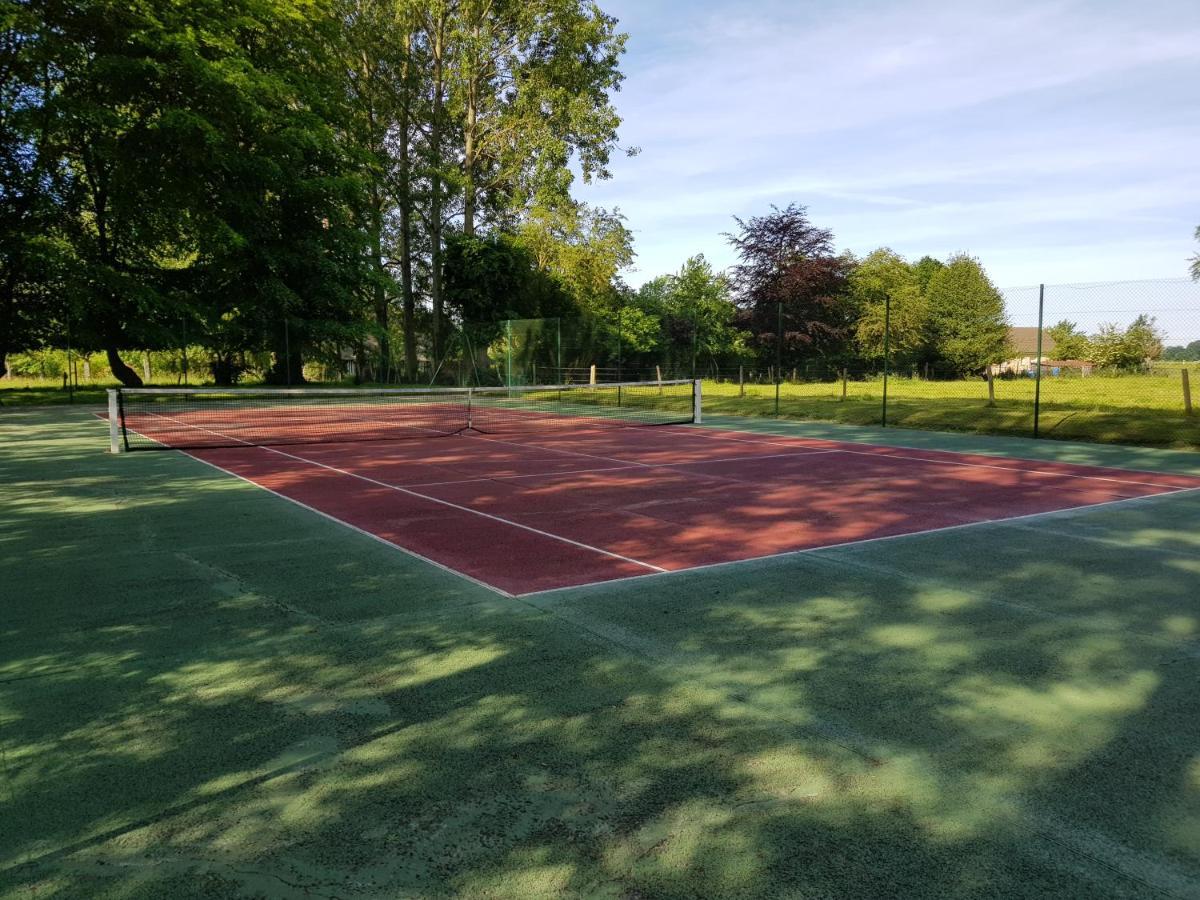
541	489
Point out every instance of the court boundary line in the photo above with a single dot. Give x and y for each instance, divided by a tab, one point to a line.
403	490
375	537
783	554
658	571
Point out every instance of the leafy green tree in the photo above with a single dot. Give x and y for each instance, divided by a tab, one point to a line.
1128	349
968	323
881	277
1070	342
1188	353
788	264
695	314
924	269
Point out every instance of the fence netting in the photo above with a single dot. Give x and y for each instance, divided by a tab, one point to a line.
1106	361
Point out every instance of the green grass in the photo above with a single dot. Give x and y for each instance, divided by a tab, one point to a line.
1130	409
206	691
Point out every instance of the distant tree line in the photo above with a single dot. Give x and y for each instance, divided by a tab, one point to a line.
278	180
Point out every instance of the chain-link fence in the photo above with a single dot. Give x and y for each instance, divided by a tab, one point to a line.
1112	361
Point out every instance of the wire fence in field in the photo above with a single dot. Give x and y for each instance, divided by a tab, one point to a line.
1111	361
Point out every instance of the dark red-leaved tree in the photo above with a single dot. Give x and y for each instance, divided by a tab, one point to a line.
786	259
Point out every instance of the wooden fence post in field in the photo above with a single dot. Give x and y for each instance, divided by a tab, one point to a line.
592	374
658	377
741	381
991	388
843	384
146	367
1187	392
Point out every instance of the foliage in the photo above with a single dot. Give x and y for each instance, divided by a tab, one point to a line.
1189	353
1196	260
924	269
788	270
881	278
1130	349
968	324
1070	342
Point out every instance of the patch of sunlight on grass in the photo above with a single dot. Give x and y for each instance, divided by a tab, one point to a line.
809	615
1188	565
425	668
949	807
1156	537
525	874
685	837
1179	626
932	643
944	601
1062	723
786	773
223	681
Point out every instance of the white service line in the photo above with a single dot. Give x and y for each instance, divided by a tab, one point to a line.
973	465
786	554
402	490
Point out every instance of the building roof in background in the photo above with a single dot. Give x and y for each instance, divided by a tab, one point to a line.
1025	340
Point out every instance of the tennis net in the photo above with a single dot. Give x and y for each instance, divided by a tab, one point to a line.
193	418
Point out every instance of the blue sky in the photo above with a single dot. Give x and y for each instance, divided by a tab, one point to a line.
1056	141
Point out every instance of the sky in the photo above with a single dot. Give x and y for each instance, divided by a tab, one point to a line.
1056	141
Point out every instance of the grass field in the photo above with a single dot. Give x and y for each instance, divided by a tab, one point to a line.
1130	409
206	691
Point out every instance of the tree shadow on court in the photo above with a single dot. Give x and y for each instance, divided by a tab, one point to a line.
239	698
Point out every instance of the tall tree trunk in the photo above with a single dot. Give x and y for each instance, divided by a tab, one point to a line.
379	290
435	201
408	297
8	302
122	372
469	161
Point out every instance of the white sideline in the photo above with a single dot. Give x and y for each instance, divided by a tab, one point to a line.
784	554
403	490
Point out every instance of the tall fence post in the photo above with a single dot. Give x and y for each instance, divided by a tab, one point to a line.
887	349
843	384
778	351
991	386
1187	392
741	381
508	354
1037	378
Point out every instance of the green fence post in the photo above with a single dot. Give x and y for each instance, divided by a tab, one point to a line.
778	350
887	335
1037	385
508	353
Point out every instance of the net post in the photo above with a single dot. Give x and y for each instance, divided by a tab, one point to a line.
1187	390
115	443
697	396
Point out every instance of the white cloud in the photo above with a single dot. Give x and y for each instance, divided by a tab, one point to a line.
1044	137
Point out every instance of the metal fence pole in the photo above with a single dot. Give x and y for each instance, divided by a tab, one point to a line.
887	349
1037	383
778	350
508	354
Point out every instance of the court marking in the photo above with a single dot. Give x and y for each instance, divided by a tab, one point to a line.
1001	520
655	571
403	490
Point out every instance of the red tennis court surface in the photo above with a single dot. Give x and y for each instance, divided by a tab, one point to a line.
536	512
